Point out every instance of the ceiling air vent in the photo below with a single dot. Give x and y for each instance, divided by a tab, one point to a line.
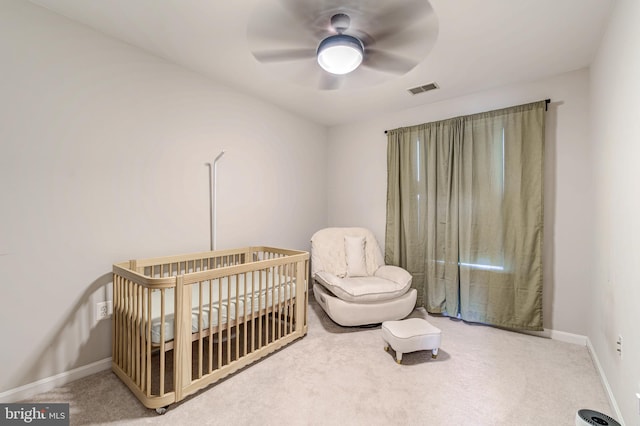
422	89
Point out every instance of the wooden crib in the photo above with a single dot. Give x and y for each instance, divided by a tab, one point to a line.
183	322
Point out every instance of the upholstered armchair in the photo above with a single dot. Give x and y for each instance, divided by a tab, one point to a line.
351	282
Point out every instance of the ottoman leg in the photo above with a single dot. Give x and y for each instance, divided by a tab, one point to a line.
399	357
434	353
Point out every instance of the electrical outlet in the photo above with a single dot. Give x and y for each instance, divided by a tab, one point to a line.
104	310
619	346
638	398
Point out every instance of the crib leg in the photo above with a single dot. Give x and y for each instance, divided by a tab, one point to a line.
162	410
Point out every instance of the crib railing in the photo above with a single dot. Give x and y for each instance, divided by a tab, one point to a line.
181	323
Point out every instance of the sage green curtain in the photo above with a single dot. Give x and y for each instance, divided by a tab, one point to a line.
465	214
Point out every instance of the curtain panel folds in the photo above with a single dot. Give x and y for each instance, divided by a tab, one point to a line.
465	214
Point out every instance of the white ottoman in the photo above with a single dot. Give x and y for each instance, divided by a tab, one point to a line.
410	335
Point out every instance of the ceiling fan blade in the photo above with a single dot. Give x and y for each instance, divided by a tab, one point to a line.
314	15
330	81
387	62
398	16
408	39
276	26
283	55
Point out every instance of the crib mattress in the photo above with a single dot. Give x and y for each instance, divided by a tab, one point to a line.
258	288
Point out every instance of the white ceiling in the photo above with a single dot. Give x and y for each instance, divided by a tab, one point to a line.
479	44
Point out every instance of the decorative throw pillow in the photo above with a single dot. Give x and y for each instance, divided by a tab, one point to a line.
356	260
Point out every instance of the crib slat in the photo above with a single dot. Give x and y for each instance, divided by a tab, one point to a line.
280	295
145	384
237	339
255	308
138	340
219	323
260	319
162	339
286	288
300	318
130	341
265	318
245	305
210	324
286	297
273	303
292	294
200	348
290	299
228	337
124	330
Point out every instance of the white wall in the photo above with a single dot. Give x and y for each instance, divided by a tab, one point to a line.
357	182
102	158
103	152
615	137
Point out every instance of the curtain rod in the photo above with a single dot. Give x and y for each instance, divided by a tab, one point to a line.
546	106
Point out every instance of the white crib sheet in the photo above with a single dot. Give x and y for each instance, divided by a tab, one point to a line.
260	294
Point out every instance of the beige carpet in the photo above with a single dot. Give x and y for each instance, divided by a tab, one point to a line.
342	376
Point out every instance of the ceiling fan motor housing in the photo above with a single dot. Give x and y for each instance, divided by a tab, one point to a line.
340	22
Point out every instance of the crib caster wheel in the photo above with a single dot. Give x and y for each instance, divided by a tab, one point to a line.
386	348
399	361
161	410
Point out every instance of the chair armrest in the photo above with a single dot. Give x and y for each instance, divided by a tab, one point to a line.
328	280
395	274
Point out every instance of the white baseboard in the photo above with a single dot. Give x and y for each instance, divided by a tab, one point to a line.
605	382
562	336
44	385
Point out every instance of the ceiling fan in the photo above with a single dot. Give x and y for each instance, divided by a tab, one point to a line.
335	44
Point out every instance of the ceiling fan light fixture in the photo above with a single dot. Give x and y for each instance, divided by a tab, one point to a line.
340	54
